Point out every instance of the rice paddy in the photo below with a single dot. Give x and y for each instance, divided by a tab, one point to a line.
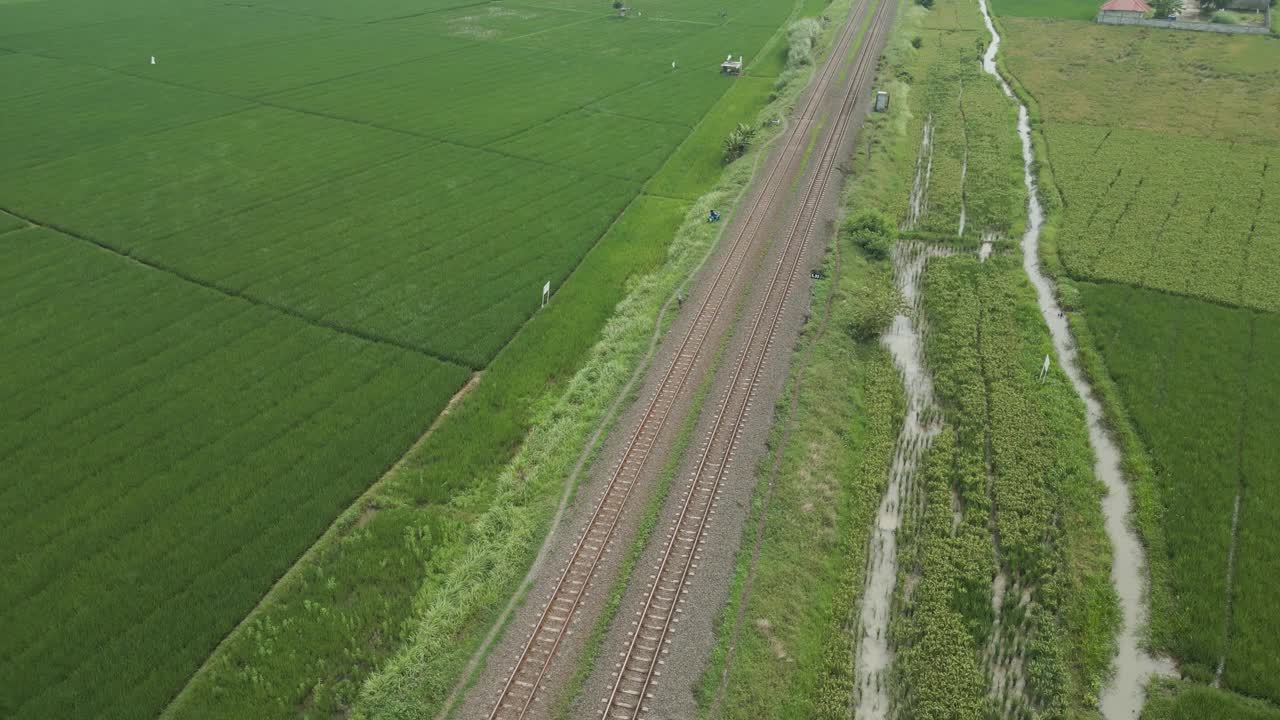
252	250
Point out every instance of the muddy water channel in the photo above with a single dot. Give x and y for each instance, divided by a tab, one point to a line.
1124	695
919	426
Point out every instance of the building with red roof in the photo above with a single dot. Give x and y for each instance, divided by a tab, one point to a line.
1125	8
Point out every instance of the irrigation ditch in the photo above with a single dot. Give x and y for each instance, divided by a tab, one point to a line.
1133	666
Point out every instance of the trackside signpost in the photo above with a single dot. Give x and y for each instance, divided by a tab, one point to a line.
546	293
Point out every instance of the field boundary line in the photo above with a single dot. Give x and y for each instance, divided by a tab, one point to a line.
1219	302
252	300
264	102
463	6
579	21
637	118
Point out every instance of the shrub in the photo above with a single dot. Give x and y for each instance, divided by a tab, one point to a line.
802	39
739	140
872	231
917	42
873	308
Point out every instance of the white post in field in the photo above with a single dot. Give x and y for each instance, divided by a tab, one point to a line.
546	293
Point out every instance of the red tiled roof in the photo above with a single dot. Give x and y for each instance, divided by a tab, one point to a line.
1127	6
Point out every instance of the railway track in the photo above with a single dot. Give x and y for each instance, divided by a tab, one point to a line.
525	682
637	669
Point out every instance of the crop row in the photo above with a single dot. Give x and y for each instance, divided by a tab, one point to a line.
441	250
974	162
165	466
129	43
1195	218
1198	384
178	449
1010	471
1091	74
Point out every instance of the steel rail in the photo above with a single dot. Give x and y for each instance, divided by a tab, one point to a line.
570	587
707	486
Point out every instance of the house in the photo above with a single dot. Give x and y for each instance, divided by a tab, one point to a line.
1134	9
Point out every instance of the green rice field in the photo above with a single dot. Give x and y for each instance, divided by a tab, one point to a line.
245	278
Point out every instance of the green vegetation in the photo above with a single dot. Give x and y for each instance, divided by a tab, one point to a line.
971	167
1013	453
1173	700
1153	189
738	142
381	188
1197	384
802	41
840	413
873	232
1066	9
130	437
1012	470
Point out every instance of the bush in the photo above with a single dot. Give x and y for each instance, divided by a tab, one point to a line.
739	140
917	42
872	231
802	39
926	4
874	307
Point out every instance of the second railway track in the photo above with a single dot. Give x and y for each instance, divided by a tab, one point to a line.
525	682
637	670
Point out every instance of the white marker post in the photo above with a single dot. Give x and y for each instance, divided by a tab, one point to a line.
546	293
153	59
1044	369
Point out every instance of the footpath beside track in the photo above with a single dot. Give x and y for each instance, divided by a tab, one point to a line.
525	687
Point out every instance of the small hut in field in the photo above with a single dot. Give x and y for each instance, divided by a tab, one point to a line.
731	66
1132	9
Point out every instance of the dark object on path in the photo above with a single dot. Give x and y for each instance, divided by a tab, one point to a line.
815	274
713	216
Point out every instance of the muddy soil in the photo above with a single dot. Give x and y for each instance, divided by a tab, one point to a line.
919	426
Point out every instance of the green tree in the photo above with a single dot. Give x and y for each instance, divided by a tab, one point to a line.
1164	8
739	140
